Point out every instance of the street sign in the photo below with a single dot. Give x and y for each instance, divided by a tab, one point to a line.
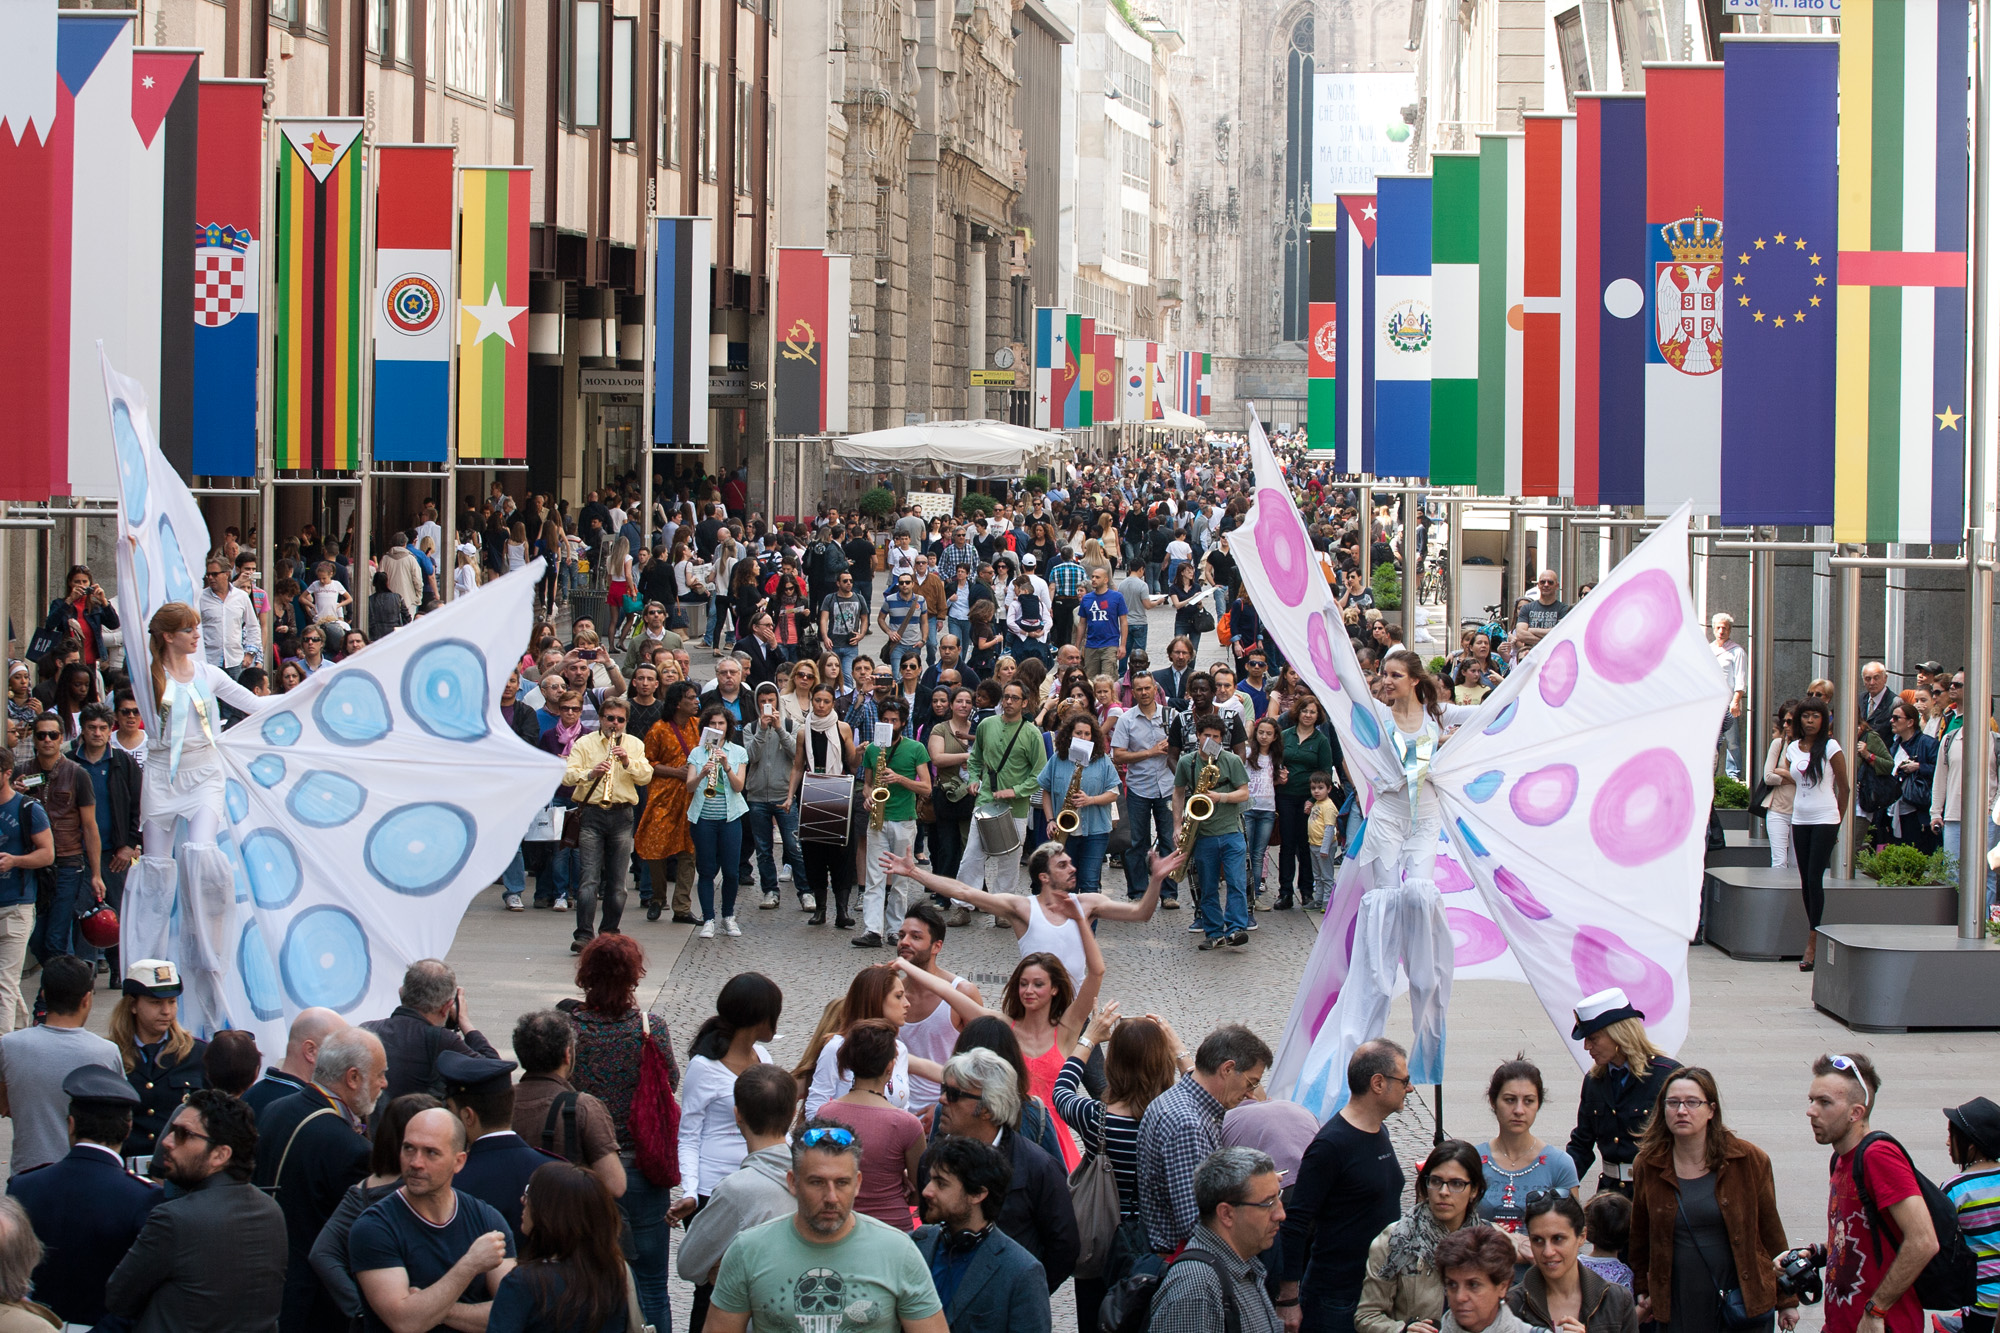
992	379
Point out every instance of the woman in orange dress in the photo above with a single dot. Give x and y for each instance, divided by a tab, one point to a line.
663	824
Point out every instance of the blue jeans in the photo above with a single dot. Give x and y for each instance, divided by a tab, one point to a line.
1135	634
514	879
56	932
718	845
1087	851
645	1207
847	656
1257	826
1024	649
761	815
560	882
930	640
898	651
1220	856
1156	577
1952	843
1152	823
962	631
1326	1315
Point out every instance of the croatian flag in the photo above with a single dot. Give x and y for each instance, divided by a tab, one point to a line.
228	167
413	293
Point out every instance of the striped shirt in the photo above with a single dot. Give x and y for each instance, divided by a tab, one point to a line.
1117	1136
1976	1195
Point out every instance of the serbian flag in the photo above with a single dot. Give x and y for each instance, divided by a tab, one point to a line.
1684	294
1611	275
224	280
1322	340
1548	307
413	293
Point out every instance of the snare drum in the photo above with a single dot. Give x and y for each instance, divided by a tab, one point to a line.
824	805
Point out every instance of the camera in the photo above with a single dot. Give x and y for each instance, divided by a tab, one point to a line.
1799	1273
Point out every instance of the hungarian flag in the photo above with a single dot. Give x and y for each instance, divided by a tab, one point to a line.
1322	340
1455	318
1611	276
1899	433
1684	289
1206	405
413	295
225	279
1502	162
493	300
317	305
1548	307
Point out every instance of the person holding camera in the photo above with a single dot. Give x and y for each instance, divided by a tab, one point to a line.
1705	1223
429	1020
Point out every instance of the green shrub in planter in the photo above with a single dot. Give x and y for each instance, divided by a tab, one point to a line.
1388	588
1437	666
1036	483
1730	794
976	502
878	503
1899	866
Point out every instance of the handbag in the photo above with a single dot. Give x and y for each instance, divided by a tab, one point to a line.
1734	1316
572	821
1204	620
1093	1194
41	643
635	1322
654	1121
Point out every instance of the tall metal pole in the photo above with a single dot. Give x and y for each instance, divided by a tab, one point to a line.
1978	692
1453	597
1763	569
1367	507
364	510
1847	701
447	555
1413	570
646	390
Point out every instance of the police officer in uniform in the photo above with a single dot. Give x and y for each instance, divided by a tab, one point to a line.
162	1078
1627	1073
87	1209
480	1091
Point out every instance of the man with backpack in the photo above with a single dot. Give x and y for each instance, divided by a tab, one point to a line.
548	1110
1881	1239
1216	1285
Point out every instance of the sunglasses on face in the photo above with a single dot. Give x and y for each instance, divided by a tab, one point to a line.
952	1094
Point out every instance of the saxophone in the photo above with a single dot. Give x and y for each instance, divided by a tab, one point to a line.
878	792
1200	805
1068	819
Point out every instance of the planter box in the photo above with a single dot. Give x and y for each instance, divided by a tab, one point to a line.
1734	819
1740	849
1758	914
1891	978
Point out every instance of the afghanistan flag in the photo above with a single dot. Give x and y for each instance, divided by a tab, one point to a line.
493	297
318	311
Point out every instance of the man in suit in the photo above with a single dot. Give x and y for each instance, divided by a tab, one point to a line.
430	1020
1877	697
498	1162
315	1145
988	1283
1173	679
82	1243
302	1043
213	1259
1036	1210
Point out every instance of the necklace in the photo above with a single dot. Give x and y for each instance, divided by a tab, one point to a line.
1507	1206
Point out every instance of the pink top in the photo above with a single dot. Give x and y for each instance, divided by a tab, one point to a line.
1042	1071
886	1134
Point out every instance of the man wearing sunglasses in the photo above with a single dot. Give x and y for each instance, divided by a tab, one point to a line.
979	1099
823	1266
1537	615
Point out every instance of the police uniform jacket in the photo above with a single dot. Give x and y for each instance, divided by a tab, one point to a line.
496	1171
162	1083
1612	1115
306	1135
82	1241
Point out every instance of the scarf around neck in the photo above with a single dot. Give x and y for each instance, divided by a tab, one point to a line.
1413	1243
829	727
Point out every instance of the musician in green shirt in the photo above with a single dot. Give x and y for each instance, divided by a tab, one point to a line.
1006	767
904	768
1219	852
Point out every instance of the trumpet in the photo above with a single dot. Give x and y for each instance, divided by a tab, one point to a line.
878	794
711	779
1068	819
1200	806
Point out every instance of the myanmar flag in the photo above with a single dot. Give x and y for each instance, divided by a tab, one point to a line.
493	298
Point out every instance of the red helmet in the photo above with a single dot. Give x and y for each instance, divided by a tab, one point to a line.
99	927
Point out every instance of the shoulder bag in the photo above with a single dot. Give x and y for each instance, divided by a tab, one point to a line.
654	1121
1730	1310
572	819
1093	1194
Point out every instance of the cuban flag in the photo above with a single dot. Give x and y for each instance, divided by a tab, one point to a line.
413	293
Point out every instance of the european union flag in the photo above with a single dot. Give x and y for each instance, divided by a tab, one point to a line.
1779	277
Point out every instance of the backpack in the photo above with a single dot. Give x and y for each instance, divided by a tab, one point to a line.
1128	1306
1949	1280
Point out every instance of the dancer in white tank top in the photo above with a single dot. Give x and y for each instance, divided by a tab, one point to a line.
932	1036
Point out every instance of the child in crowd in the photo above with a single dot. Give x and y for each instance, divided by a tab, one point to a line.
329	600
1607	1225
1323	833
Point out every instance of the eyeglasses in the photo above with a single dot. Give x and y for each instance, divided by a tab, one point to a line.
128	712
48	735
1686	1103
952	1094
838	1136
1266	1204
183	1134
1446	1185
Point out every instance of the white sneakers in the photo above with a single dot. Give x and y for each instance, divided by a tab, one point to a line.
707	930
729	926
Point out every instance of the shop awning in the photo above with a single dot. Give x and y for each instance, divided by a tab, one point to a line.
1179	420
947	449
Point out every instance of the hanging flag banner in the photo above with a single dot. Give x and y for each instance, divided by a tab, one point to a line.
1051	331
1067	372
1548	310
1132	380
681	296
1186	391
414	296
1109	394
1454	350
492	303
226	280
1322	340
1612	279
37	131
1502	273
1684	309
799	377
1156	383
166	113
1899	432
1354	313
115	245
1084	334
318	315
1403	326
1207	403
1781	189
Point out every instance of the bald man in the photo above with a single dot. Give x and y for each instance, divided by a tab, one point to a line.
302	1043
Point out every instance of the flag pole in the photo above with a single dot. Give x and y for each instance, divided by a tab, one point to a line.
448	576
1977	695
648	344
364	514
267	347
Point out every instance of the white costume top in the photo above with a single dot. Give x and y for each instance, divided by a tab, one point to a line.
183	767
1405	817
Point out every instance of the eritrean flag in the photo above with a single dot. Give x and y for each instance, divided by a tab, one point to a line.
318	309
1900	400
493	298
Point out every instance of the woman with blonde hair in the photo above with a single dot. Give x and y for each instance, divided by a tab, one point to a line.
163	1060
795	703
619	584
1626	1074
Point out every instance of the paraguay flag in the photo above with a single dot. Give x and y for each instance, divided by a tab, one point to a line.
413	294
